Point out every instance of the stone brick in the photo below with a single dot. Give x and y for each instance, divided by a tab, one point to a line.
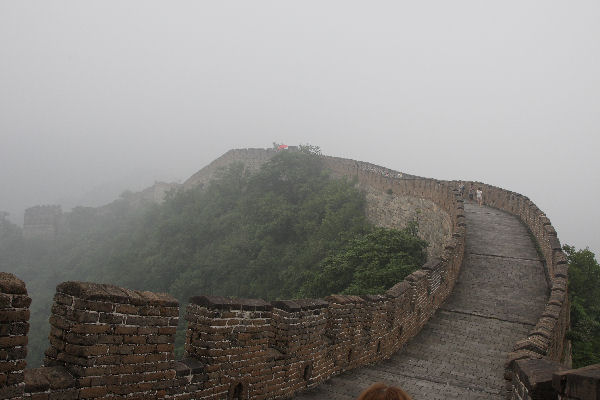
88	328
92	392
7	315
12	341
10	284
21	301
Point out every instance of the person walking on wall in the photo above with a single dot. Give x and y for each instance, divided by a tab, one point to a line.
471	192
381	391
479	197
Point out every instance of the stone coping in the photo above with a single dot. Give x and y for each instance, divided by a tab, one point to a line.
111	293
228	303
45	378
300	304
10	284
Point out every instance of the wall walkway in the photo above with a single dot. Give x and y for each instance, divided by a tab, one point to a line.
499	296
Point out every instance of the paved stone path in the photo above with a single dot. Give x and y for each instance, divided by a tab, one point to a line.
460	353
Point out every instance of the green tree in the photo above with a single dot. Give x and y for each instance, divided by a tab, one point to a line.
584	295
310	149
369	264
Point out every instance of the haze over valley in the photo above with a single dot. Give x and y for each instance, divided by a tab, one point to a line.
104	93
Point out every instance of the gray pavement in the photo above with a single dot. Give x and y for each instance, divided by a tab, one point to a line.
459	354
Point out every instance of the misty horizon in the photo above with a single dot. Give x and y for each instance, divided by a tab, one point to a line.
108	94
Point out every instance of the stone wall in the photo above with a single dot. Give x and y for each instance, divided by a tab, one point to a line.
392	210
251	349
14	326
547	338
538	379
532	379
42	221
107	341
154	194
387	208
252	158
394	199
577	384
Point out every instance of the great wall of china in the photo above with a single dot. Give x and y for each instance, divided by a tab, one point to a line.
108	342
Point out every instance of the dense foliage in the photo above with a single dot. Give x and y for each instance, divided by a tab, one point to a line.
285	231
584	295
246	235
369	264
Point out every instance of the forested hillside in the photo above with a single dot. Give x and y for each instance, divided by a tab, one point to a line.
286	231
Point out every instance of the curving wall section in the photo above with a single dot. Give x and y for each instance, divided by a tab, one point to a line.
252	158
392	206
107	341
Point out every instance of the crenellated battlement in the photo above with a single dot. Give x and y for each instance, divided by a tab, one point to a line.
14	326
108	342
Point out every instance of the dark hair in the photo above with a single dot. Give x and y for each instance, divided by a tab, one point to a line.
381	391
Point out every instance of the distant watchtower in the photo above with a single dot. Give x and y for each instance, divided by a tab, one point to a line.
42	221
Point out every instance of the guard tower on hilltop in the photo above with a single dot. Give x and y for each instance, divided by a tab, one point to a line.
42	221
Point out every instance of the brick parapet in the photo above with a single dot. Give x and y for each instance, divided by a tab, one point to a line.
14	326
108	342
303	342
577	384
42	221
539	379
276	349
111	341
532	379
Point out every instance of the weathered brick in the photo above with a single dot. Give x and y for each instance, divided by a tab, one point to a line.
92	392
89	328
12	341
126	330
9	315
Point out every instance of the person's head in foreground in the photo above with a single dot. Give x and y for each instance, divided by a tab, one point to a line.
381	391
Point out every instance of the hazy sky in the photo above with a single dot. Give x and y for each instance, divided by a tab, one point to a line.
101	95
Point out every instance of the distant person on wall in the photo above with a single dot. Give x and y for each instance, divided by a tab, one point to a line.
471	190
479	197
381	391
461	189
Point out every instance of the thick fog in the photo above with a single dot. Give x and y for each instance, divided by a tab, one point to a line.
100	96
